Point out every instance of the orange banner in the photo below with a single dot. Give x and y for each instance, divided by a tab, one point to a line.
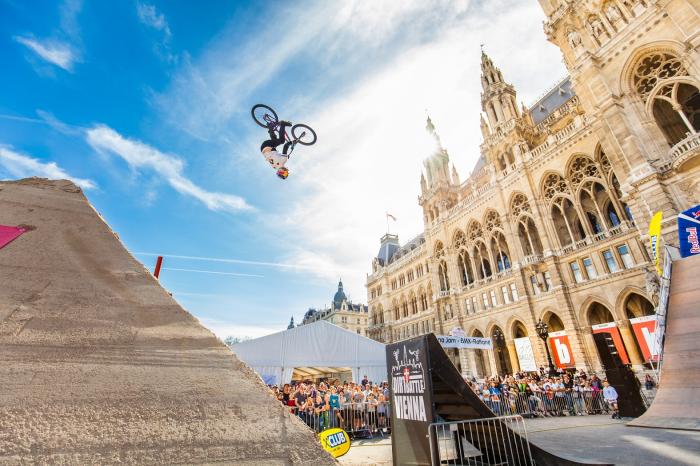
614	332
644	330
561	350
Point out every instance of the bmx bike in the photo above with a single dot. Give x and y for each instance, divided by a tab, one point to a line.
302	134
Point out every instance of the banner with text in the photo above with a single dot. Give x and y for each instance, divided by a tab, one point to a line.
688	227
645	330
526	357
465	342
614	332
561	349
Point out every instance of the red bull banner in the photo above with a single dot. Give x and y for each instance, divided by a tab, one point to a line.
614	332
688	230
645	332
561	350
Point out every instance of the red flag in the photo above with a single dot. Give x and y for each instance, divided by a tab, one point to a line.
7	234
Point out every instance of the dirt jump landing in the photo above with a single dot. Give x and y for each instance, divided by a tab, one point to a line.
99	365
677	402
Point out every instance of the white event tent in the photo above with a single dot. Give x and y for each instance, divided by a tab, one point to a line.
316	345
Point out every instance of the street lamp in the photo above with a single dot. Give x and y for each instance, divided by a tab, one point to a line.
543	333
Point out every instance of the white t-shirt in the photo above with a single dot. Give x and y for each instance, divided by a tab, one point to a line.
275	159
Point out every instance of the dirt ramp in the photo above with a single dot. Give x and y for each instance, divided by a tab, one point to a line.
98	364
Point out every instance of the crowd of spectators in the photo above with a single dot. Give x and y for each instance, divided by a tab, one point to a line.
540	394
354	407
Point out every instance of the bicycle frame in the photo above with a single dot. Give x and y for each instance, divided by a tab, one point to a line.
268	118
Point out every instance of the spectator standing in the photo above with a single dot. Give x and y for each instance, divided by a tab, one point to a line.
610	396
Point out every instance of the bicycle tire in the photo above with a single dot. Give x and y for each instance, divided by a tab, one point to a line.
307	139
260	121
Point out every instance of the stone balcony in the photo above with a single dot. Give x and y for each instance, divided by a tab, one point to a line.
685	150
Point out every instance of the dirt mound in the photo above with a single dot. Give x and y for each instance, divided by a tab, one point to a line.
98	364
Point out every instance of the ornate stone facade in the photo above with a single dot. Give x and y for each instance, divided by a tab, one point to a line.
551	222
342	312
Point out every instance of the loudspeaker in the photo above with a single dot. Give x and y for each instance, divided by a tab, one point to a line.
620	376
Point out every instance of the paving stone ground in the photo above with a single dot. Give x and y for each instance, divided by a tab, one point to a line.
591	438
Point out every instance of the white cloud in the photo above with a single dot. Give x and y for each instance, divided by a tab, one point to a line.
142	156
149	16
22	166
379	66
372	141
53	51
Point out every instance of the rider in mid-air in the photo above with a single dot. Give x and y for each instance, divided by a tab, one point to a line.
269	148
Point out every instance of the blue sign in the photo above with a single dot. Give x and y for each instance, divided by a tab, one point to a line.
688	230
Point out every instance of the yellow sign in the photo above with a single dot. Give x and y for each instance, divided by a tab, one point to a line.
655	238
335	441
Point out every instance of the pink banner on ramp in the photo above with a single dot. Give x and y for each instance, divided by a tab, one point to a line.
7	234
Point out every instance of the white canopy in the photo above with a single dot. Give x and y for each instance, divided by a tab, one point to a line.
320	344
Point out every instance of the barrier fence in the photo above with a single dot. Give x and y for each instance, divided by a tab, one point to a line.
366	420
497	441
359	420
551	404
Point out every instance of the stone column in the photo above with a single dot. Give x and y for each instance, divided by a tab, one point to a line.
588	340
514	363
630	344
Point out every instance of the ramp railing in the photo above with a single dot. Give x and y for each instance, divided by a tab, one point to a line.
491	441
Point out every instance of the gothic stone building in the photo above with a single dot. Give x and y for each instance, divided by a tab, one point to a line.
551	224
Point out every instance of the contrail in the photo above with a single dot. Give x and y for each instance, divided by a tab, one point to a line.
215	273
230	261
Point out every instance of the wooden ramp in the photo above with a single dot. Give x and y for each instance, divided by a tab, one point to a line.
677	402
99	365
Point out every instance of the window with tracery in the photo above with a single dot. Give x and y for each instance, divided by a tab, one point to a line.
604	162
519	205
459	239
492	221
439	249
475	231
653	68
554	184
582	168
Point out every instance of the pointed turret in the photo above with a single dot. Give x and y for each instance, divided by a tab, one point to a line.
437	165
455	176
485	130
423	183
498	99
291	324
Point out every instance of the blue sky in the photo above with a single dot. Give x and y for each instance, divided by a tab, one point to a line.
146	105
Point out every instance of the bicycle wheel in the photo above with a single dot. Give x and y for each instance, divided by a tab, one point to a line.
304	134
262	114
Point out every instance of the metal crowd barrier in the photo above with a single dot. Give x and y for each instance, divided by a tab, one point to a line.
495	441
548	404
359	420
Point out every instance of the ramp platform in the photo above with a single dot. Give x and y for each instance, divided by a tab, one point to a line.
677	401
99	365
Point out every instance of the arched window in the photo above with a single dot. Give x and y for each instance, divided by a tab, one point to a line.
527	232
465	267
481	258
676	110
499	250
673	103
598	314
443	277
